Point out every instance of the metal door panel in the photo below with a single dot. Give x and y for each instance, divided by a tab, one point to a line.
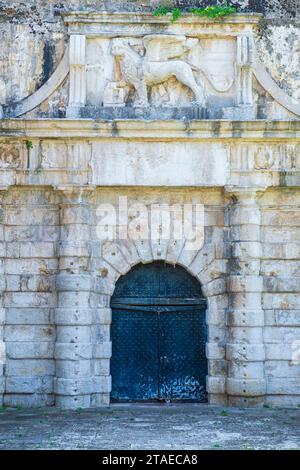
182	361
134	360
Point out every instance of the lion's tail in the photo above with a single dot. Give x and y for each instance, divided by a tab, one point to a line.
220	90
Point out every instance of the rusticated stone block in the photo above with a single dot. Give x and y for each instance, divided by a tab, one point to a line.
102	351
73	402
245	317
29	385
71	316
100	399
73	334
29	333
102	316
34	400
29	349
29	367
74	386
216	385
242	387
73	351
245	352
215	351
78	369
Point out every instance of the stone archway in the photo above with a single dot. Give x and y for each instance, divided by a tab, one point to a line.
208	268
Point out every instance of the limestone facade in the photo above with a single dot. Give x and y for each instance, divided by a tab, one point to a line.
159	113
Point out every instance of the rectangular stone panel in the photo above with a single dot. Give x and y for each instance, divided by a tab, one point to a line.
160	164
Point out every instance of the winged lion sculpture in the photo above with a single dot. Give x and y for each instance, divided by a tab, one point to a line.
160	62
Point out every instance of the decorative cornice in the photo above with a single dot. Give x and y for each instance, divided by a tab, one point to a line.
138	24
259	130
80	16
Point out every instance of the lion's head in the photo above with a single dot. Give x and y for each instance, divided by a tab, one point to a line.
119	47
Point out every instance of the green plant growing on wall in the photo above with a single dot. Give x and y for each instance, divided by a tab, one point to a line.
214	11
29	144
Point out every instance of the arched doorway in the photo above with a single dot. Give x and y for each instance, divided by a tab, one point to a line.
158	335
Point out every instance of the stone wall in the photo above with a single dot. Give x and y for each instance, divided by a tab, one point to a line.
281	300
31	230
57	280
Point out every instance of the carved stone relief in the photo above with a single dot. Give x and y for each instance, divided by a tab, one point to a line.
10	155
275	157
160	70
162	60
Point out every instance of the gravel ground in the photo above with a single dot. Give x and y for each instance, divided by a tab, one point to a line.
166	427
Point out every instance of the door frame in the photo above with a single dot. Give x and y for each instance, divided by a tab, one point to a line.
156	303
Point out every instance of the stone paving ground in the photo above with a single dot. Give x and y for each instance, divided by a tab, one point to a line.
166	427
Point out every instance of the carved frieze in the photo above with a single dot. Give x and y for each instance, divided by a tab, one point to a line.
10	155
266	157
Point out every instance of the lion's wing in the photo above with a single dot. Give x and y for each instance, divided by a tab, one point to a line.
160	47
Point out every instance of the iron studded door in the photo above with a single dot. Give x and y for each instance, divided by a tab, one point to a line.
158	336
134	361
182	360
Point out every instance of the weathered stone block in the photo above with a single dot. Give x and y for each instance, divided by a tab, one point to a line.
246	335
29	316
245	283
29	367
278	334
100	399
29	299
102	367
102	316
245	352
73	334
30	385
244	317
73	352
216	317
69	387
282	318
34	400
278	386
102	351
29	333
71	316
73	402
281	301
29	350
73	369
245	250
246	370
246	387
74	282
216	385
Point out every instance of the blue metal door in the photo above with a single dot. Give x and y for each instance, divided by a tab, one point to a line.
158	336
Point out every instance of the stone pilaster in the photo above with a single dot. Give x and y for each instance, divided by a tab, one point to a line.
246	384
2	310
77	96
74	381
245	52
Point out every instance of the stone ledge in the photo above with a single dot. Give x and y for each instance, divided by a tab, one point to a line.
264	130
